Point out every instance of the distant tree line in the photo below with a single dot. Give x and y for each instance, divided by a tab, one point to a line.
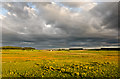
118	49
110	48
18	48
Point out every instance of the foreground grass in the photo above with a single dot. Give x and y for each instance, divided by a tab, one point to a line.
42	63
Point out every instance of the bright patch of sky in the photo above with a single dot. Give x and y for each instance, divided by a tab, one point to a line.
3	11
73	9
48	26
32	6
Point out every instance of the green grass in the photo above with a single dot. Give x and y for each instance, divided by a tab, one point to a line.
42	63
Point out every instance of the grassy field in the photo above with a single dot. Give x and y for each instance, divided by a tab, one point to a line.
43	63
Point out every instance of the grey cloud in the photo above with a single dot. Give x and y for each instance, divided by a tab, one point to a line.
73	4
108	13
30	27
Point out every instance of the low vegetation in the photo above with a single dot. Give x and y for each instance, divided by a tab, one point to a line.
72	63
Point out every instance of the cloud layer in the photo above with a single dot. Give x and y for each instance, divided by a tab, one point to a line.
68	24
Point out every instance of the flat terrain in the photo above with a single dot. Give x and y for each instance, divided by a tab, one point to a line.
73	63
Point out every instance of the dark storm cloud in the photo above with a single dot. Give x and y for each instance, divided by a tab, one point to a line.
51	25
108	13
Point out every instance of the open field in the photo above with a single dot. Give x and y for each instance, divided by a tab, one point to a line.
73	63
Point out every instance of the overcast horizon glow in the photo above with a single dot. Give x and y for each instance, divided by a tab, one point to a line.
59	24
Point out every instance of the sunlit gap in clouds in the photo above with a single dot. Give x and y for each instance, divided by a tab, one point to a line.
33	6
72	9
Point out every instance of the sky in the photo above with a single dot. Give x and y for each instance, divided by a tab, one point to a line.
59	24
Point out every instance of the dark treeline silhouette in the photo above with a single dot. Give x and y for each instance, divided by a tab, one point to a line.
75	48
61	49
110	48
28	48
18	48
